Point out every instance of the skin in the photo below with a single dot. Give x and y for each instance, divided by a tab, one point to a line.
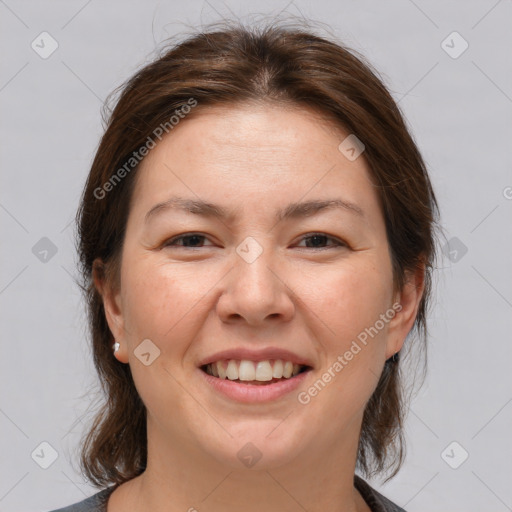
193	302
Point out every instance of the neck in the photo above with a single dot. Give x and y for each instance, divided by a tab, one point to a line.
182	477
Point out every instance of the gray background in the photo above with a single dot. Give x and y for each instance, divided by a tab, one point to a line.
459	111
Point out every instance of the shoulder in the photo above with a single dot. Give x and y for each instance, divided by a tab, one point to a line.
95	503
376	501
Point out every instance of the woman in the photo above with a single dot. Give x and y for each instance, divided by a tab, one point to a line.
256	237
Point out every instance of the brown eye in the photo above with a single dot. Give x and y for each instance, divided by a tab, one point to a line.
190	240
317	240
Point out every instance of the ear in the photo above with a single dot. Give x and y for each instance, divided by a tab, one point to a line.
409	298
112	305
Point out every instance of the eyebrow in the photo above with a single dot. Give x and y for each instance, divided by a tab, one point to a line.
292	211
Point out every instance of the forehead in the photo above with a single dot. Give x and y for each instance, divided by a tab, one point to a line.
259	152
256	130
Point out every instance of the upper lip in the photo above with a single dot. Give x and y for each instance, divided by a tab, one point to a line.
256	355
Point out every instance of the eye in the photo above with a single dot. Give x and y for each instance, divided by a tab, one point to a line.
320	239
194	239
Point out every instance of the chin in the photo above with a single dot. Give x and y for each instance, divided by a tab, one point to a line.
259	447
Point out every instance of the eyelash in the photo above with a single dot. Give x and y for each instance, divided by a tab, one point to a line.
338	243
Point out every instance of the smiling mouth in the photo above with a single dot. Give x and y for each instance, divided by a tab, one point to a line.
256	373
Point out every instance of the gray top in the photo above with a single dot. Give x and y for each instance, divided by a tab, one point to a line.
376	501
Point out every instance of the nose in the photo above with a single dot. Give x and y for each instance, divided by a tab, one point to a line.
256	292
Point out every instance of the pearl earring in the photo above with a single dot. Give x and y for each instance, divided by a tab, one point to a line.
115	347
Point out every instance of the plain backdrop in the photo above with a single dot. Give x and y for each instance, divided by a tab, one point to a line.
457	101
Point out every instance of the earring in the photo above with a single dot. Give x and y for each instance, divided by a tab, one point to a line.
115	347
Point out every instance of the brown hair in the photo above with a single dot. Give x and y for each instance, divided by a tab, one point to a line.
223	66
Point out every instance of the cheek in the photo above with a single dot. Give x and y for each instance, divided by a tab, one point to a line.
170	304
347	299
162	305
348	307
160	301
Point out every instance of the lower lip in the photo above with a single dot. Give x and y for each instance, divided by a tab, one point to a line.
249	393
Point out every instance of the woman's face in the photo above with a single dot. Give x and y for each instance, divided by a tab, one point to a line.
256	286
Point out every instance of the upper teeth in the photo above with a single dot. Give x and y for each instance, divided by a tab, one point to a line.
251	370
